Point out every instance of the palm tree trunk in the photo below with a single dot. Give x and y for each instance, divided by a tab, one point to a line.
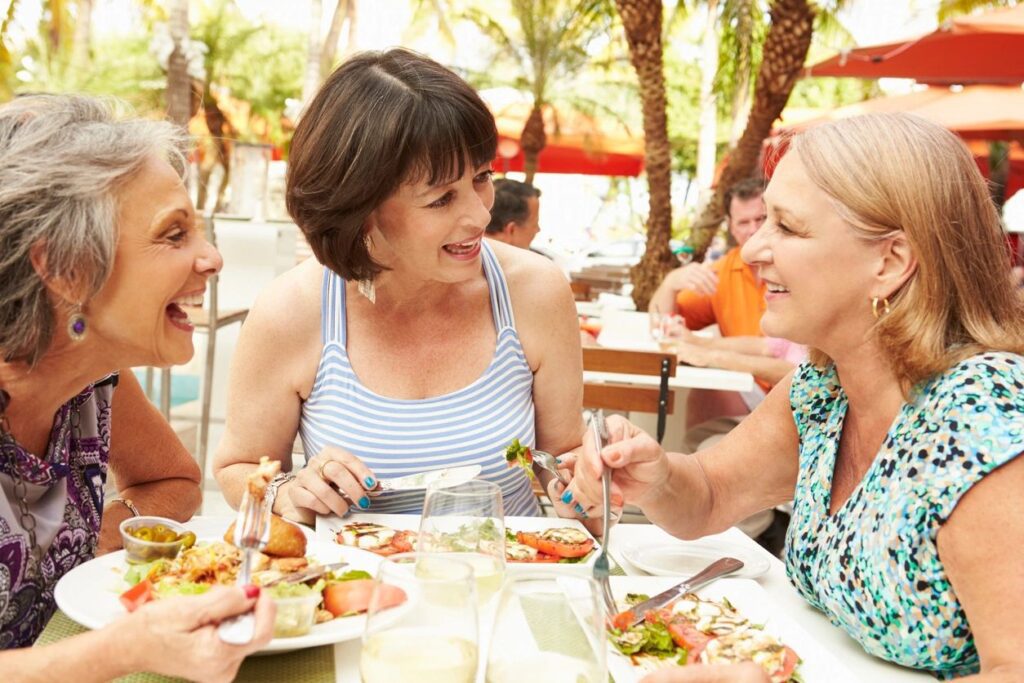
785	49
179	85
707	133
330	47
311	80
533	140
352	44
80	41
642	20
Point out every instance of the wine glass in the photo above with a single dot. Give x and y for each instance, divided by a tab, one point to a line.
431	636
550	625
467	520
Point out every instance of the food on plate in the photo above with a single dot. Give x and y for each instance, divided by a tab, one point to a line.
566	545
376	538
160	533
693	630
519	455
300	604
286	539
149	538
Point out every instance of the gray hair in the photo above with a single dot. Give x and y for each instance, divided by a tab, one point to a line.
62	160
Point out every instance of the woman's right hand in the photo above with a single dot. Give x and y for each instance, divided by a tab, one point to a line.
319	486
639	467
695	277
178	636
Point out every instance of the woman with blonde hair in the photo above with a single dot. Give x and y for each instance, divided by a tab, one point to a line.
898	441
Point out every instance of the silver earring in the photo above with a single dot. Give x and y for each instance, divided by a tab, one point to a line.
76	324
367	289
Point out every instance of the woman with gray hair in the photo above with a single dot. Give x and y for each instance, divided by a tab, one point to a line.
99	249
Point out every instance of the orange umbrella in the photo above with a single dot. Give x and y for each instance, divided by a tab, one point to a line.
984	48
576	143
975	112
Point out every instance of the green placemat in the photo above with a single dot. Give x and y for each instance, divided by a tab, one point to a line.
312	665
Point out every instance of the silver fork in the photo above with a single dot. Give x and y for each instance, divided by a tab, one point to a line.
601	566
252	531
546	461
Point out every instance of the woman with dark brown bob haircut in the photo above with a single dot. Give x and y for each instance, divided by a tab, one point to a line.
410	343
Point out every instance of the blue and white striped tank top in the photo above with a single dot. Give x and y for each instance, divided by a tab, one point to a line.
395	437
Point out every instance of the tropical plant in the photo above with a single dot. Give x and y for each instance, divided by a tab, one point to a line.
784	52
642	20
550	51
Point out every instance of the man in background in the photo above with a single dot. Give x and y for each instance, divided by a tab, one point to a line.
515	214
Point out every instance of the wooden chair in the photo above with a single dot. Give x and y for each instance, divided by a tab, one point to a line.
209	323
623	395
580	290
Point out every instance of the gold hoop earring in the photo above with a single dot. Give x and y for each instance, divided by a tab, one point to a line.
880	307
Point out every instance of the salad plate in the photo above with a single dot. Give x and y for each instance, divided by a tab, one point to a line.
89	594
752	603
406	528
685	558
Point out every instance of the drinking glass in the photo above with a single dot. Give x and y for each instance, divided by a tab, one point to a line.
469	521
666	328
432	636
551	626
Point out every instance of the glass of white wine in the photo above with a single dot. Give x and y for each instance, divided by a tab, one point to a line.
432	636
550	625
468	520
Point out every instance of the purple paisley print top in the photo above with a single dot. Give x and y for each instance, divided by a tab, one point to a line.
76	468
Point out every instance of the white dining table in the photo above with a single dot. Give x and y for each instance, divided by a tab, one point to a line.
861	665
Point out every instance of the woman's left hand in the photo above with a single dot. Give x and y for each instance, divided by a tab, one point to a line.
566	506
733	673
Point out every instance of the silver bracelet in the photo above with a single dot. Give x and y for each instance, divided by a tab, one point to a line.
270	493
128	504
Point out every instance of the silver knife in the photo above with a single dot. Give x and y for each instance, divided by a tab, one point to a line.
715	570
449	476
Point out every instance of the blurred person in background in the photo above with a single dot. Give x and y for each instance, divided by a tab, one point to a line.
515	213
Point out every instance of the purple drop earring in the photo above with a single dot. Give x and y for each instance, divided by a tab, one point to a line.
76	324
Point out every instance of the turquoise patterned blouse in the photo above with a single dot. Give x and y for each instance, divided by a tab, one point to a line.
873	568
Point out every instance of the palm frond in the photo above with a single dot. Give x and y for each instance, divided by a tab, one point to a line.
949	9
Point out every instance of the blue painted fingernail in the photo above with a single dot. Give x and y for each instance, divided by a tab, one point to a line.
579	509
370	482
364	502
558	460
567	497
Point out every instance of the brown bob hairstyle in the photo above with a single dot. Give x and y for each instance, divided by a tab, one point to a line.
380	120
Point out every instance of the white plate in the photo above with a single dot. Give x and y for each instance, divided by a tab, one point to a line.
753	603
685	558
88	594
327	528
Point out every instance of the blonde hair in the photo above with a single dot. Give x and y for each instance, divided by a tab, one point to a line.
891	173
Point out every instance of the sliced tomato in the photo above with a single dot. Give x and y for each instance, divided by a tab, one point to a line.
402	541
789	664
137	596
688	636
353	597
553	547
539	558
623	620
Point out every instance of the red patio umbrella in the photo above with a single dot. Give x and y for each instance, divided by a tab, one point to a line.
984	48
576	143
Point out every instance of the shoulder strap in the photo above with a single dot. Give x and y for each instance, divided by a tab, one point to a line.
501	300
332	308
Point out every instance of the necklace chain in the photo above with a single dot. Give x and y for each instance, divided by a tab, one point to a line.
9	447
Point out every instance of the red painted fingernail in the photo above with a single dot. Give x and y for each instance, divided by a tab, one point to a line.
252	591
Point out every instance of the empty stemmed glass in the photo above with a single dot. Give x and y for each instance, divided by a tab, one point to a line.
422	622
469	521
551	626
666	328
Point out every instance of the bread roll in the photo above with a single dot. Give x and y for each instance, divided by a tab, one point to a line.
286	539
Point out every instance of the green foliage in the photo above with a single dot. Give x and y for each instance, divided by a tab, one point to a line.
949	9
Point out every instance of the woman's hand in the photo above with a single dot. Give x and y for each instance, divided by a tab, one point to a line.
734	673
333	481
639	468
178	636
